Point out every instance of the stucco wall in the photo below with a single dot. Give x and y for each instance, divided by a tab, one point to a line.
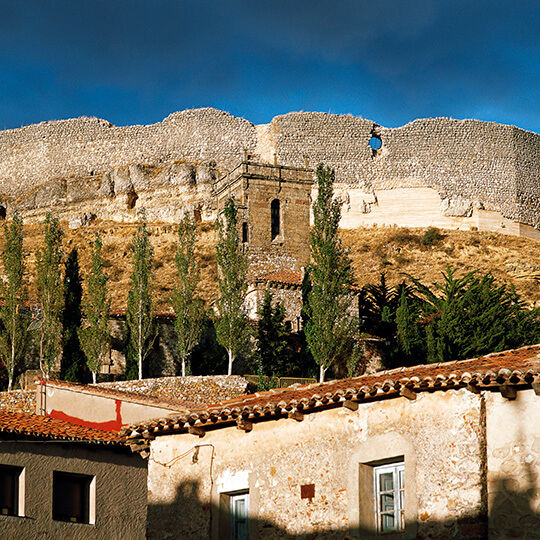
121	491
513	441
442	462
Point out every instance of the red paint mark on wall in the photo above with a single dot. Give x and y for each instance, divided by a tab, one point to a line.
111	425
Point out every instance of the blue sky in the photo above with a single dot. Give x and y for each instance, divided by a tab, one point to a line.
135	62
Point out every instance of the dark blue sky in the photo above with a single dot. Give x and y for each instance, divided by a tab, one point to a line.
135	62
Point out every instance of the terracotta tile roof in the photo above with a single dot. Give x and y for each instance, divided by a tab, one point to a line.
44	427
287	277
497	371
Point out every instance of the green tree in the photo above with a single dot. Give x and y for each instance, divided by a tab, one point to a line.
50	295
94	335
330	328
13	327
271	339
472	315
72	363
188	307
139	317
231	324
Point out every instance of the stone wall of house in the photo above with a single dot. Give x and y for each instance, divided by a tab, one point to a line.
443	471
88	165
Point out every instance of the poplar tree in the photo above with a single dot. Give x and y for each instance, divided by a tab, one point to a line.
330	330
188	307
139	318
231	325
50	295
94	335
72	364
13	327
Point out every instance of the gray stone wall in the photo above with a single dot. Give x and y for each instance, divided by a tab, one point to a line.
478	164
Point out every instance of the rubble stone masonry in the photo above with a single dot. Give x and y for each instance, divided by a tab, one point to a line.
87	163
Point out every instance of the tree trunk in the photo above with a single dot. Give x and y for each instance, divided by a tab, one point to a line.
10	382
184	366
322	373
231	360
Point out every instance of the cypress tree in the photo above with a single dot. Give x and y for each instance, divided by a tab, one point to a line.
72	363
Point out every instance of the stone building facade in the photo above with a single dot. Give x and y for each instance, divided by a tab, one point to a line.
273	213
438	451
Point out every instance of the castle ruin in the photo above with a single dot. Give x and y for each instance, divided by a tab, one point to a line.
431	172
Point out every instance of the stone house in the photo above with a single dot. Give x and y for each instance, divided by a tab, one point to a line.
434	451
59	480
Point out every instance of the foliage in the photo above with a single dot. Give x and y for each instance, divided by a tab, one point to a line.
231	324
95	335
13	327
139	317
330	329
188	307
272	349
460	318
431	237
208	356
72	365
50	295
473	315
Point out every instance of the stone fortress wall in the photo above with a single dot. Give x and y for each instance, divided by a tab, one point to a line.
440	172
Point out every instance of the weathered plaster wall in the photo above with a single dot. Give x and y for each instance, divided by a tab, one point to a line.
513	441
121	491
442	461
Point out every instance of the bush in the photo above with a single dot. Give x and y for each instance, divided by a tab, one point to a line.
431	237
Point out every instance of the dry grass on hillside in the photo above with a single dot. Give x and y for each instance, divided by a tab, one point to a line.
400	251
117	256
396	251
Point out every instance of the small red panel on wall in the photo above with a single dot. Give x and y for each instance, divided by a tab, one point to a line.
307	491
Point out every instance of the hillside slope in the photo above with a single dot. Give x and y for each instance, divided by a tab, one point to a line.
396	251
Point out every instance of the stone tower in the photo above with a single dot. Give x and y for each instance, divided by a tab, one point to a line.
273	213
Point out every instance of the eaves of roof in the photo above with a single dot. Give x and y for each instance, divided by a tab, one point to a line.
505	372
38	427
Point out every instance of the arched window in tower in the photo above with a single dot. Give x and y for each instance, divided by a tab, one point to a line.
274	212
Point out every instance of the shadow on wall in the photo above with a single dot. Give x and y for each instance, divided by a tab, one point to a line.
514	514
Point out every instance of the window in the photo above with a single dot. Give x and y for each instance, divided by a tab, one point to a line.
274	213
389	491
239	510
11	491
234	515
73	497
244	232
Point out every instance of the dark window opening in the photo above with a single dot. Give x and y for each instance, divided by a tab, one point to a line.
274	212
71	497
9	490
244	232
2	212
